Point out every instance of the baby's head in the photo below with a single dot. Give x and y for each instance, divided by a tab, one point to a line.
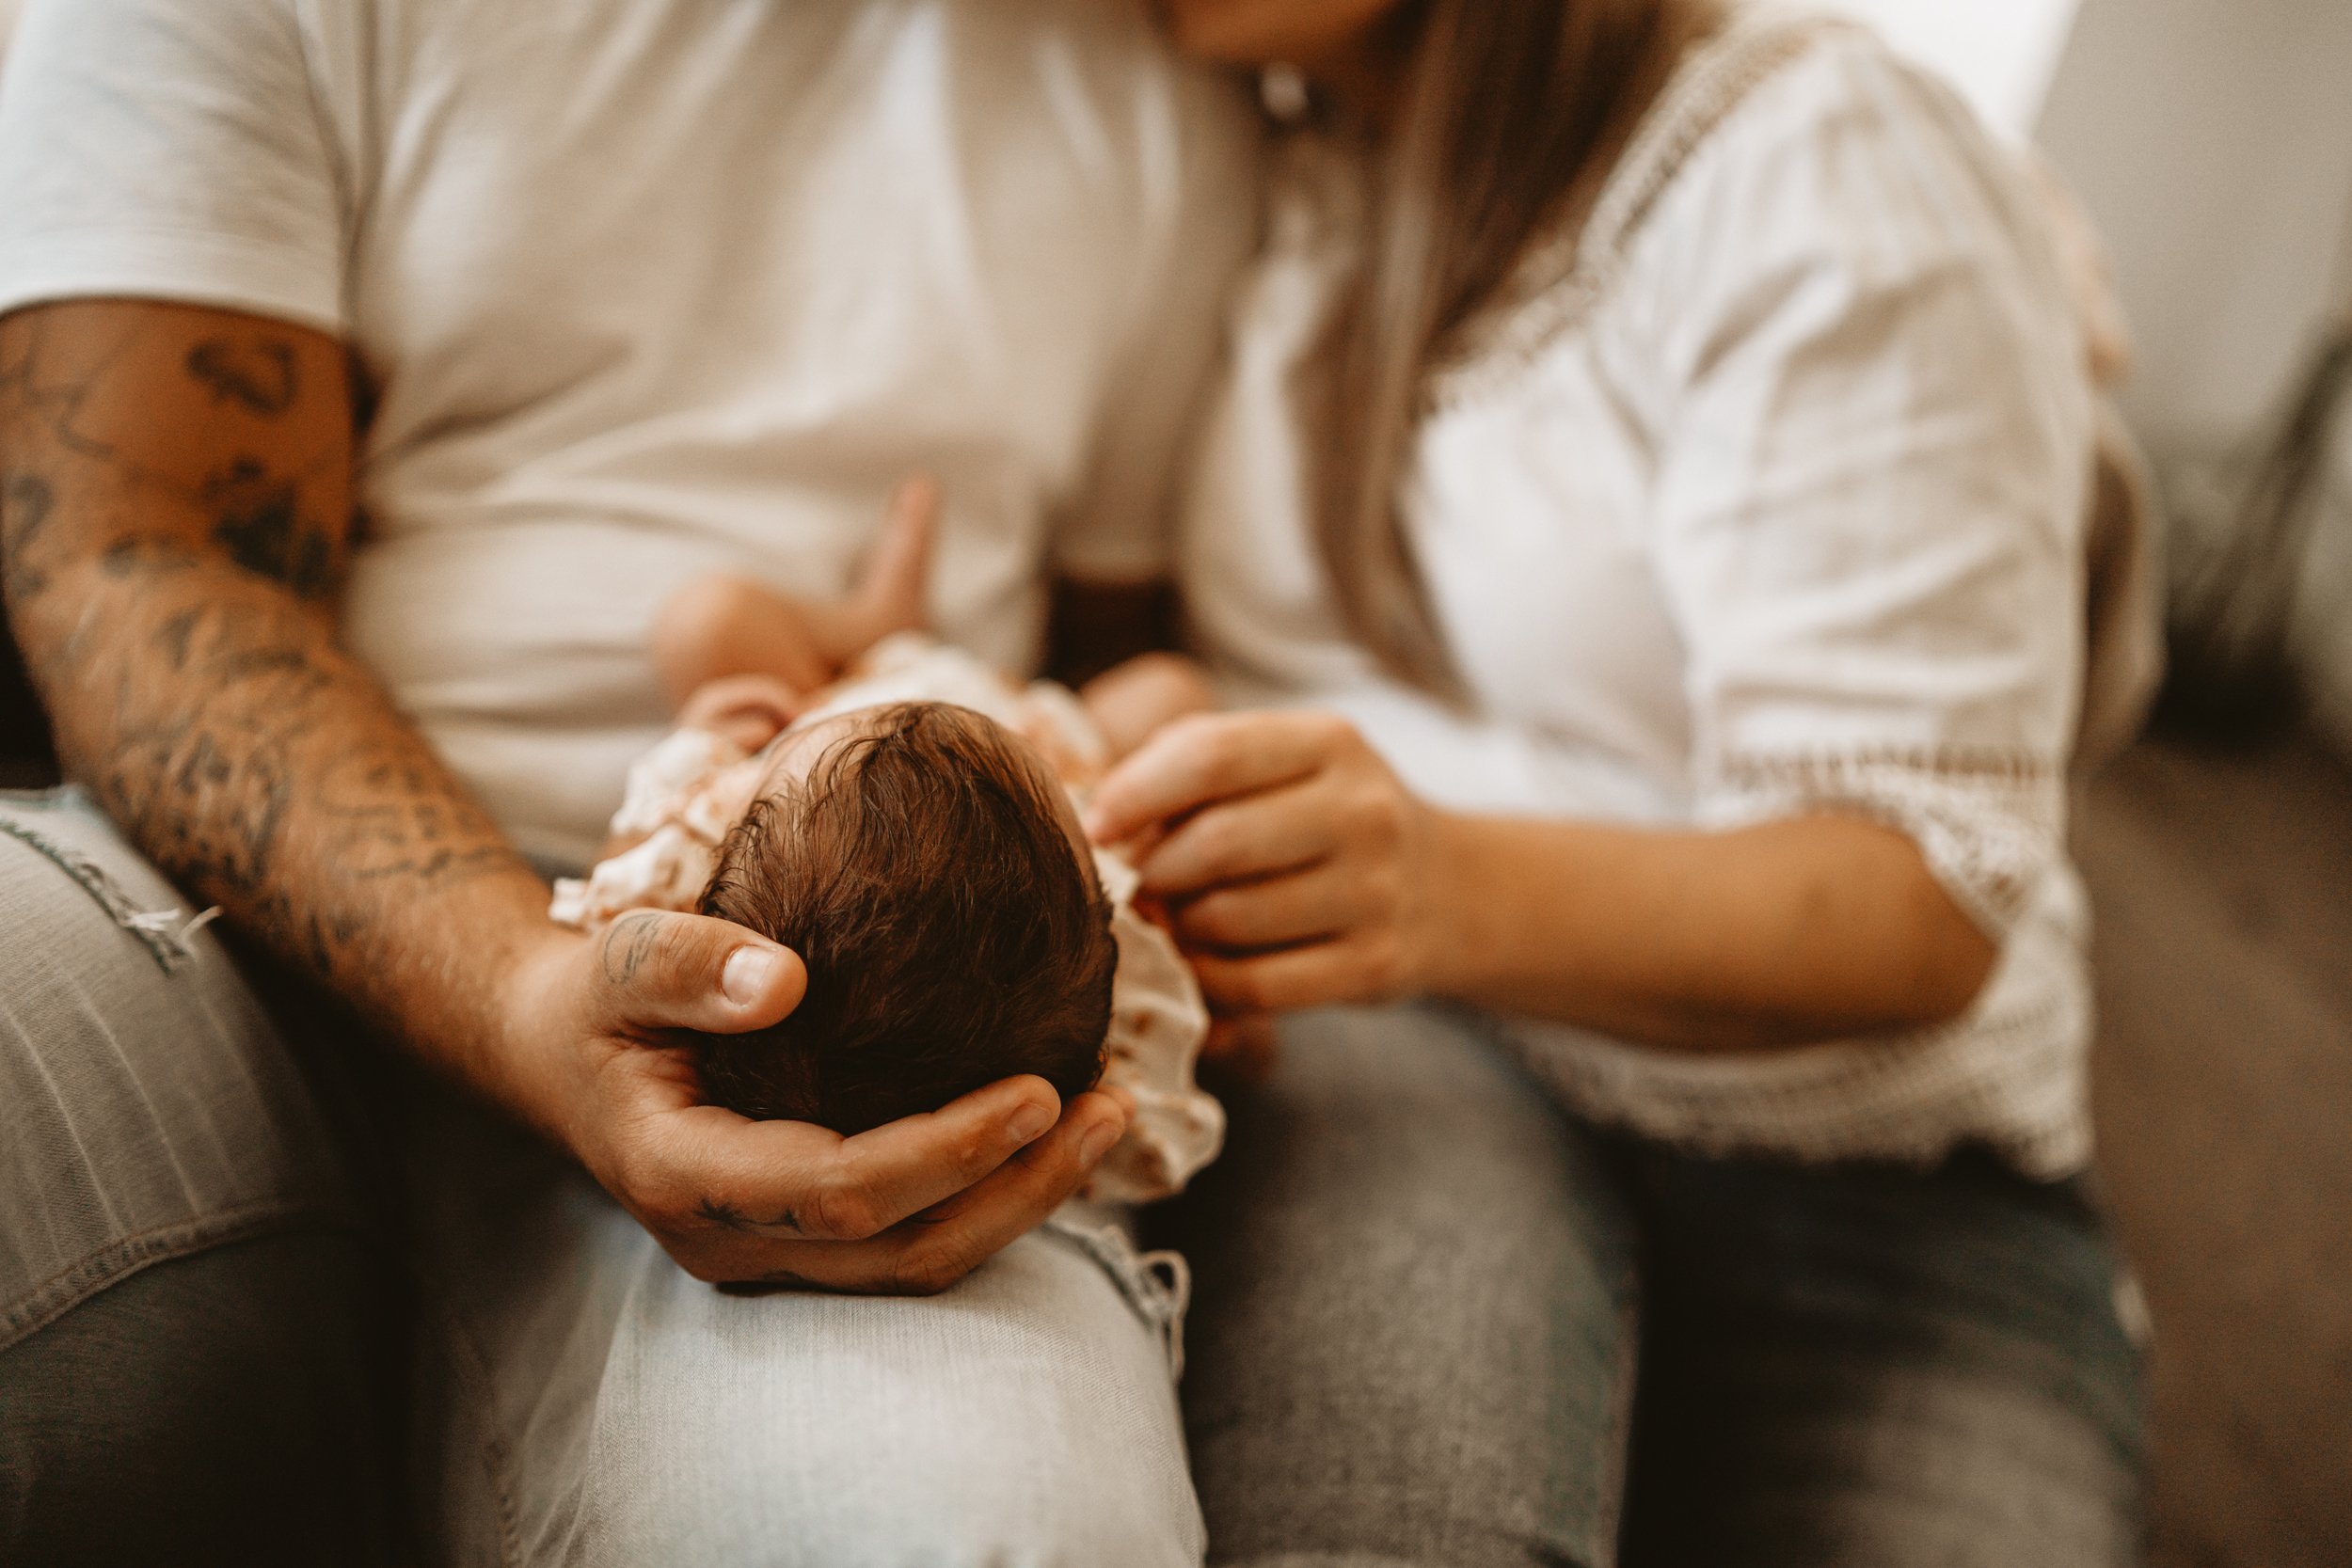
933	874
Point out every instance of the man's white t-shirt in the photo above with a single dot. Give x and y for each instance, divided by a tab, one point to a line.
645	289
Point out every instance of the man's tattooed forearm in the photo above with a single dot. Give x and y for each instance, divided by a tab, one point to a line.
259	375
211	787
134	555
173	503
26	501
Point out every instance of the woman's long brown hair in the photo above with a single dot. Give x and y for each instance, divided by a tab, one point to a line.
1508	115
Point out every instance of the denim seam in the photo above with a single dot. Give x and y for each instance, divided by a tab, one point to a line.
1617	1463
53	1297
164	932
1158	1303
470	1366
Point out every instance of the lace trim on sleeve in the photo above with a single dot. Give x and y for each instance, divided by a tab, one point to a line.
1990	823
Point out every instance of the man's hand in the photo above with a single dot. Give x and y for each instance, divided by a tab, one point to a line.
909	1208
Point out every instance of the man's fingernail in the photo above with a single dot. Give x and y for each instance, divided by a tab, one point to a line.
1097	1142
1030	1123
748	973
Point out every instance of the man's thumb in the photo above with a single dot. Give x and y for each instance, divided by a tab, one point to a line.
667	971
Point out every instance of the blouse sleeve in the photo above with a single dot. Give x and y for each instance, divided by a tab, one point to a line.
1876	430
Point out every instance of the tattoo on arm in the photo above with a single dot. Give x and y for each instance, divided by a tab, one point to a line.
25	503
257	518
173	518
259	374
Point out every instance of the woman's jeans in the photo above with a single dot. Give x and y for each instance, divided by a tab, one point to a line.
1437	1321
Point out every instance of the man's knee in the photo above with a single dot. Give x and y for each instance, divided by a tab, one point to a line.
1024	1417
150	1117
148	1106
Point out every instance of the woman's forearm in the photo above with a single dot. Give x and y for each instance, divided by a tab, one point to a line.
1300	872
1782	934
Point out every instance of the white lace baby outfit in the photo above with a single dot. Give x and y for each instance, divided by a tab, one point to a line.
1765	497
687	793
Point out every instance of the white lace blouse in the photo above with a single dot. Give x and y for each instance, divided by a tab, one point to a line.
1764	498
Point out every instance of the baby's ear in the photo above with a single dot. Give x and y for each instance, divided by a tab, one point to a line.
750	710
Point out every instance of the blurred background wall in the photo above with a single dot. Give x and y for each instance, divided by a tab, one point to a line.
2212	140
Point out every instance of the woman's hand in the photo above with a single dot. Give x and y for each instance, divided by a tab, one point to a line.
1296	867
908	1208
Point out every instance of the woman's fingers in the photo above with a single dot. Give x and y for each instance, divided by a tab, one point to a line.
1208	757
1310	905
1320	974
1278	830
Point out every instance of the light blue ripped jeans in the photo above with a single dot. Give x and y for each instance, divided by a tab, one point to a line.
577	1398
592	1404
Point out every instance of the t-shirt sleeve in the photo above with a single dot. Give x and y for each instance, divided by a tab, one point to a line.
1202	203
169	149
1870	497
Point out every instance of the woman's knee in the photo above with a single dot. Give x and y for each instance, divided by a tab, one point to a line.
1873	1366
1411	1338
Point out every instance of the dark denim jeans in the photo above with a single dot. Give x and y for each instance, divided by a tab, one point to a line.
1437	1321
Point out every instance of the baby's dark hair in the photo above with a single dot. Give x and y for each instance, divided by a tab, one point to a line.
952	934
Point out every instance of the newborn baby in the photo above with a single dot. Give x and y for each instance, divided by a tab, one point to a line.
909	828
